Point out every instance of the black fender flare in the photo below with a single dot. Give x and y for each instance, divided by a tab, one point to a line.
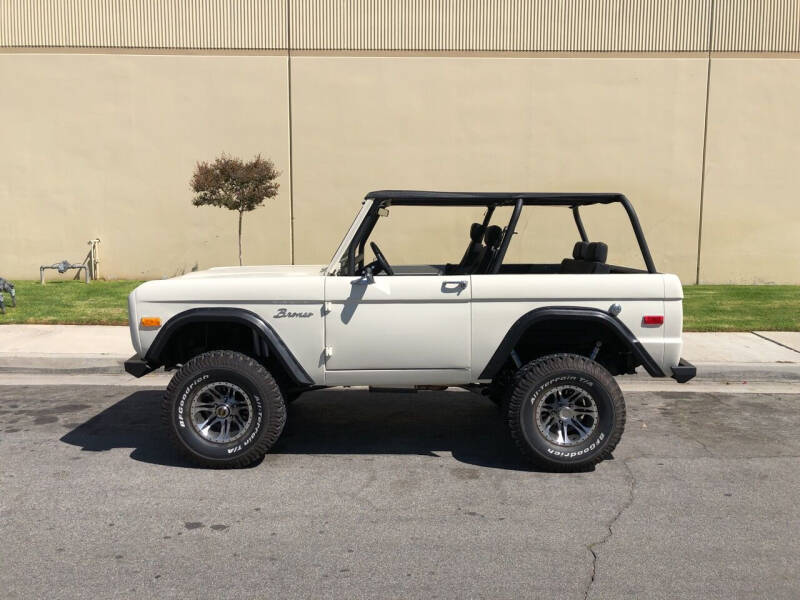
254	322
572	313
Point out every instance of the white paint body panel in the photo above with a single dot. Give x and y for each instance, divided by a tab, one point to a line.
400	323
261	290
499	300
407	329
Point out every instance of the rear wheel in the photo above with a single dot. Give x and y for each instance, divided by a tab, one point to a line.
565	412
223	409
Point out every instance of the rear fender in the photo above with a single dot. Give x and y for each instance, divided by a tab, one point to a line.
569	313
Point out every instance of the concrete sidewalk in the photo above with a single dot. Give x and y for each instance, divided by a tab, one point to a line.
92	349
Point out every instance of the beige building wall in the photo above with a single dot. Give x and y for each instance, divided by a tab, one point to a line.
106	107
103	145
751	211
633	125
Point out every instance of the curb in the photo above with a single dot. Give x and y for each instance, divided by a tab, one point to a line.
107	364
751	372
62	364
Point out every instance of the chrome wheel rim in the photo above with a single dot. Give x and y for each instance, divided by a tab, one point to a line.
221	412
566	415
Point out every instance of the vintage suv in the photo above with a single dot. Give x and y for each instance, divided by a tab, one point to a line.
543	341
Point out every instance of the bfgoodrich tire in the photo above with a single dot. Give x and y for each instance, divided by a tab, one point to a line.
223	409
565	412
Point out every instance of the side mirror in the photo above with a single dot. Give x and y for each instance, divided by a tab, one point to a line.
367	278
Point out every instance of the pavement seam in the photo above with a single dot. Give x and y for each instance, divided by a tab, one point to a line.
610	527
763	337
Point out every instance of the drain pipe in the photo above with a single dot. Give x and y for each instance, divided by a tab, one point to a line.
94	258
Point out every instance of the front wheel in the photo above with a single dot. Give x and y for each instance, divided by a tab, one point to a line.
223	409
565	412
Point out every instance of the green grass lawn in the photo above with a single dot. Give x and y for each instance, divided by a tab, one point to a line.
70	302
706	307
741	308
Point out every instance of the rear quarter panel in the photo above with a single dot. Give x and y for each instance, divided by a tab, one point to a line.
499	300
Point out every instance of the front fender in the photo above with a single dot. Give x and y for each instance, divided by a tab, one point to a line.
260	328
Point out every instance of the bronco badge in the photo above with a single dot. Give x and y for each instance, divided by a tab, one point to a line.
283	313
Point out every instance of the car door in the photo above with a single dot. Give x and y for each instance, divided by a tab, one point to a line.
396	330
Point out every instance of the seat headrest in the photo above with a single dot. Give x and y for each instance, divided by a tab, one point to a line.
596	252
476	232
579	250
493	235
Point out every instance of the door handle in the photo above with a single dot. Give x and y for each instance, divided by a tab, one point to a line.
454	286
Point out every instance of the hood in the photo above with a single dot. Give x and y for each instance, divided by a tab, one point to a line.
257	271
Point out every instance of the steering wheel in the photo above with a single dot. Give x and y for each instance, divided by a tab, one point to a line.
383	264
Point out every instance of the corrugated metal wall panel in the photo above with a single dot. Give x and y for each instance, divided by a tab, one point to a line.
756	26
501	25
407	25
202	24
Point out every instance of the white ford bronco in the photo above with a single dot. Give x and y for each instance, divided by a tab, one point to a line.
541	340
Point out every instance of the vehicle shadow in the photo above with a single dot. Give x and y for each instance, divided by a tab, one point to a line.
330	422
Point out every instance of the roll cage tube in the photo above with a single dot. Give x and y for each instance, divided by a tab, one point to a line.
637	230
509	232
360	239
487	218
491	200
579	224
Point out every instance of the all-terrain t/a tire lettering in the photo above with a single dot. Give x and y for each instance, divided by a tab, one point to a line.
223	409
565	412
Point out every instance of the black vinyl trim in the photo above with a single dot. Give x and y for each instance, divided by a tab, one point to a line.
431	198
579	313
229	315
684	371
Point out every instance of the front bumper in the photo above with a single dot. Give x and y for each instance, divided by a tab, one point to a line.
684	371
137	367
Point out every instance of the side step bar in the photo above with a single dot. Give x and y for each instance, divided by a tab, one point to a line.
684	371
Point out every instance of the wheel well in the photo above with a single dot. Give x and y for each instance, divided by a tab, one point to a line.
195	338
564	335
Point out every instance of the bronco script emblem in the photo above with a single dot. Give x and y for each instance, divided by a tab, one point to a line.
283	313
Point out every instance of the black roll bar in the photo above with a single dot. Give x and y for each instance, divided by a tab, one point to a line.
510	230
637	230
579	223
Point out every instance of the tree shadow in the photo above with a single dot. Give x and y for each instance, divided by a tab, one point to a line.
330	422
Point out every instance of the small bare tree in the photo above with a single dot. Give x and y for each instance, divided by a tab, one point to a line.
234	184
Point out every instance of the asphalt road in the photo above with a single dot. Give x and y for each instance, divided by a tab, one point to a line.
398	495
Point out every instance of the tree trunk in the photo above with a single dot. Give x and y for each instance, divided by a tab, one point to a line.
241	214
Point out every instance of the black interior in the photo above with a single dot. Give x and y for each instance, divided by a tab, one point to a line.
474	251
587	257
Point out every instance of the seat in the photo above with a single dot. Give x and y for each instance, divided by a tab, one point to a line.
491	240
587	258
572	265
474	250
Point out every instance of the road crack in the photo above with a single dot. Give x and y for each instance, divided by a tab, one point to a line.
594	546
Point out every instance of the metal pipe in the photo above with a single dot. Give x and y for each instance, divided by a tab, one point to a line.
637	229
510	230
579	223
